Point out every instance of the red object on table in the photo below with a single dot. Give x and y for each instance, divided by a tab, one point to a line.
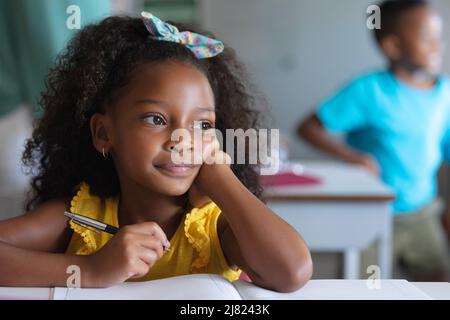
288	179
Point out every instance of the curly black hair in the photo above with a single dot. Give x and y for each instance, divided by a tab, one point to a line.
96	63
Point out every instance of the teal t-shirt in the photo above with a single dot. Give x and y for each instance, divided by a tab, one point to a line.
405	129
32	33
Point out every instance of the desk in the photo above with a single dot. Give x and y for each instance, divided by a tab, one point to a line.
346	212
436	290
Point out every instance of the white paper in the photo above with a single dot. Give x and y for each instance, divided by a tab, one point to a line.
195	287
215	287
337	290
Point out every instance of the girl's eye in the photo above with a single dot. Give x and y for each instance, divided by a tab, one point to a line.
155	120
203	125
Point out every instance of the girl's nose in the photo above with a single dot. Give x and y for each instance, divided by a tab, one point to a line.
183	145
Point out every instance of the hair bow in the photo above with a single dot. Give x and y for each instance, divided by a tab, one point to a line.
201	46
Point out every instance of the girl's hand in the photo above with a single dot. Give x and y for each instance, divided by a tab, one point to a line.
212	157
129	254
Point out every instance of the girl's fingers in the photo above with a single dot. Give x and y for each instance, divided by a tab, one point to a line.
148	256
150	228
212	154
151	243
141	269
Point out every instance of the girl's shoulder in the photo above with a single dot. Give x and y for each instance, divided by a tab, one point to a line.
86	203
83	200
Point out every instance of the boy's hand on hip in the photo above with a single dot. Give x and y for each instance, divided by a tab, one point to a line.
368	162
129	254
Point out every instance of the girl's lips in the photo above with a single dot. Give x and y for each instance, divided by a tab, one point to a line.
176	169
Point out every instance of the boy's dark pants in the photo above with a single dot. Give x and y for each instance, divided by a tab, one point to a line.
420	247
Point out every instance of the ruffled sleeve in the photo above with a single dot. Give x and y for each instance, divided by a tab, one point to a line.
200	227
196	229
84	241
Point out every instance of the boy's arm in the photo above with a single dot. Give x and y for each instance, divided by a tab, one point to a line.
272	252
313	131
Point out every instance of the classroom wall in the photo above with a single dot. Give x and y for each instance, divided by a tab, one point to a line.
299	51
128	7
443	7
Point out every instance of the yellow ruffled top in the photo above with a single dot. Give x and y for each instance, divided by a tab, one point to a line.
194	247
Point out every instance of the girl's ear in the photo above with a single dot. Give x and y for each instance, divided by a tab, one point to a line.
100	132
391	47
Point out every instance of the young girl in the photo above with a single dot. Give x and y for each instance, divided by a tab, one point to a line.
103	150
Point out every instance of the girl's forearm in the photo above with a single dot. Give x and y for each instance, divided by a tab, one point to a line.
22	267
271	247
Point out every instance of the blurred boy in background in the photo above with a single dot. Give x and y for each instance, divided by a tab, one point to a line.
397	125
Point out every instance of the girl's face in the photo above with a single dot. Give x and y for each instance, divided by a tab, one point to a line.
159	98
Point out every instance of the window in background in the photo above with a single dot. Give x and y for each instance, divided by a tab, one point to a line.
185	11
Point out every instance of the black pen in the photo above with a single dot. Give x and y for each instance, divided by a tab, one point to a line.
86	221
92	222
